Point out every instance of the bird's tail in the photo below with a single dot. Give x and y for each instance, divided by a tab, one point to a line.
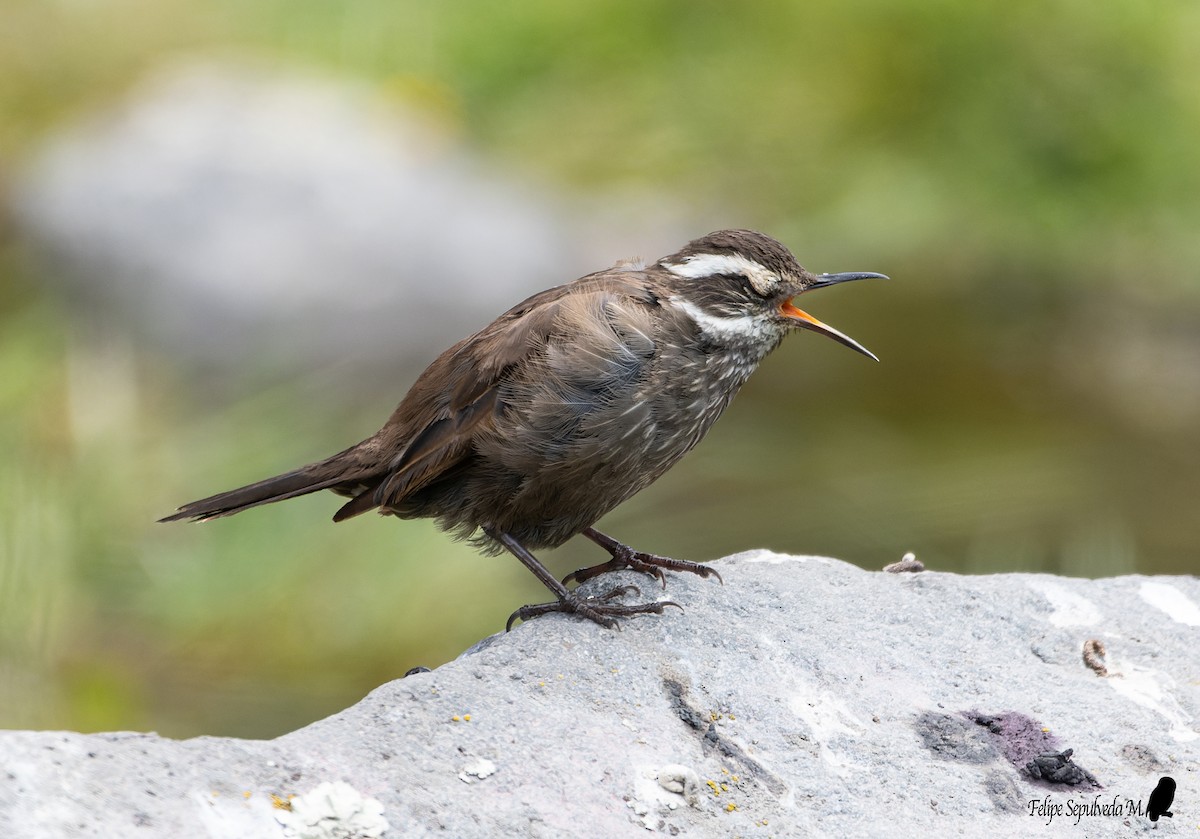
334	472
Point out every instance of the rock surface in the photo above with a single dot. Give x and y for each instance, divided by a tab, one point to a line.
805	696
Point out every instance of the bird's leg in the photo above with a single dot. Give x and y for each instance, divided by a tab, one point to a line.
598	609
624	556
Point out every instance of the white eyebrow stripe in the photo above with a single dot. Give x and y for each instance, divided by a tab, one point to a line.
708	264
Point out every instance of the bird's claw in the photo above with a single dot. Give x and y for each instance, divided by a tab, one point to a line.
597	609
581	575
645	563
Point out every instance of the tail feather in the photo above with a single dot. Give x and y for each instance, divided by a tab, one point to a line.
327	474
362	502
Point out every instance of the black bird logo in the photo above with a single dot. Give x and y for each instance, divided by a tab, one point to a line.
1161	798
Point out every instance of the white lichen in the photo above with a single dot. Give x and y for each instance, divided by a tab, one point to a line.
480	768
333	811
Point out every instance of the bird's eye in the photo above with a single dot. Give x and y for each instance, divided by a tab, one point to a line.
745	283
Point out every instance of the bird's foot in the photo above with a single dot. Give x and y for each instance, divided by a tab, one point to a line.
599	609
624	556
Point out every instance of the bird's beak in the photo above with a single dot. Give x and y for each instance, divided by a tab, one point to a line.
806	321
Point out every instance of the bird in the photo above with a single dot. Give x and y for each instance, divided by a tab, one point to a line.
526	433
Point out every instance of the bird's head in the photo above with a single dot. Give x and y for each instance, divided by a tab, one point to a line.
738	286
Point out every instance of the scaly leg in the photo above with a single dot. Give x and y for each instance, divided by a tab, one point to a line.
597	609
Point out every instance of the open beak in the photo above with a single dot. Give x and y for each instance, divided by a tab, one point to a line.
806	321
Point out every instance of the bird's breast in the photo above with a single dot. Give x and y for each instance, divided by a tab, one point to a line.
599	414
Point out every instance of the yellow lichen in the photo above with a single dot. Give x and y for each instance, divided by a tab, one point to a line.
281	803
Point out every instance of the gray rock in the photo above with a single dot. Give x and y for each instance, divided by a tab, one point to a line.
221	210
805	696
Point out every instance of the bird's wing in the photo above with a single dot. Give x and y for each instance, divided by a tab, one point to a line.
430	431
460	394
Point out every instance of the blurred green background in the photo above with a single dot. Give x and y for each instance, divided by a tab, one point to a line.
1028	173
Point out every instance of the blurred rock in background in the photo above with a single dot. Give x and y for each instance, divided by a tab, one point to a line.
223	210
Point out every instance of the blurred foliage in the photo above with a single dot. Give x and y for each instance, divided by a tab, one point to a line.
1029	174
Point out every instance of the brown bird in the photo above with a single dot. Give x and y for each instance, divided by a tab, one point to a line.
527	432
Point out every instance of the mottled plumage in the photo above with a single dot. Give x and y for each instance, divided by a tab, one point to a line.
527	432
